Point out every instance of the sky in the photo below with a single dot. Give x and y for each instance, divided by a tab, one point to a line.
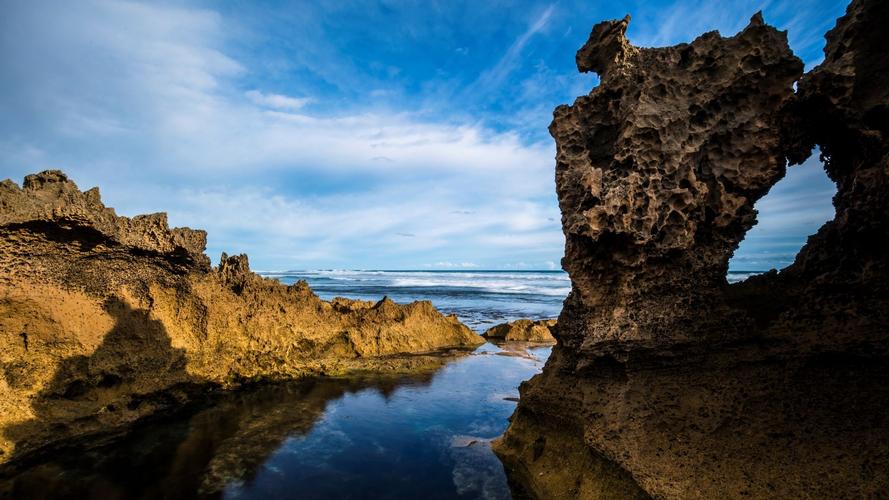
348	134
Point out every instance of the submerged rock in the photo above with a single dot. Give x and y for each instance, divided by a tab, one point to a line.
108	319
522	330
667	381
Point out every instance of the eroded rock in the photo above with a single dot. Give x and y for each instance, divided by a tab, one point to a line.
667	381
522	330
108	319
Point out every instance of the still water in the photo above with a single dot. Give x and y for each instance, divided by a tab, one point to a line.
424	436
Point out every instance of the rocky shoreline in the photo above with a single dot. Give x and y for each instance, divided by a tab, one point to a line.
666	381
107	320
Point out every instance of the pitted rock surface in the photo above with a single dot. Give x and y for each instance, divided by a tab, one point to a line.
658	168
666	381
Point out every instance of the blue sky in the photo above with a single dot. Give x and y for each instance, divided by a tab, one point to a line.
343	134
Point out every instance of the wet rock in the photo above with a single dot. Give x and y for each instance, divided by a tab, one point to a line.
667	381
108	319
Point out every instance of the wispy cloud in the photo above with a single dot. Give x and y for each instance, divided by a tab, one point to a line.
451	265
795	208
308	138
277	101
495	77
682	20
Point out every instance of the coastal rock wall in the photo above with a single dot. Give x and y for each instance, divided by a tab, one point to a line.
667	381
108	319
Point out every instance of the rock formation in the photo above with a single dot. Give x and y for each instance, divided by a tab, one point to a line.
108	319
667	381
522	330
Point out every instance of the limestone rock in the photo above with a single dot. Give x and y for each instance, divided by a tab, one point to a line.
658	168
108	319
667	381
522	330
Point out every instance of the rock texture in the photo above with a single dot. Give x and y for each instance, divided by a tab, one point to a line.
667	381
108	319
522	330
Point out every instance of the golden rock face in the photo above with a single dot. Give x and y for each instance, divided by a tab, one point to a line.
666	380
522	330
109	319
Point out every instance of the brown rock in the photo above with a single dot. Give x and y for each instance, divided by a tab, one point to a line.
522	330
107	319
667	381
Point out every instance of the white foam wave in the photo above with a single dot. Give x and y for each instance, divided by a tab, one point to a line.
738	276
491	286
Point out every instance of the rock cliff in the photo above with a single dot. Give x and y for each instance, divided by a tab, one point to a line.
522	330
107	319
667	381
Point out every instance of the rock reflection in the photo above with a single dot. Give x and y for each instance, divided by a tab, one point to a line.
198	456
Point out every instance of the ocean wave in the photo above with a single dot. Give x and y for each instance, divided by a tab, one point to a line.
738	276
490	286
557	276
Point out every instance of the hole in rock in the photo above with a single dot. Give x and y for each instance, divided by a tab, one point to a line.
796	207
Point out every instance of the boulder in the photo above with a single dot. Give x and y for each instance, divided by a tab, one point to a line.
522	330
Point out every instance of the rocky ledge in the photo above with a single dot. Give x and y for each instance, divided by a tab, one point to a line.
522	330
108	319
667	381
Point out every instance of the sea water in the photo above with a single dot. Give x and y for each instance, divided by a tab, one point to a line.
480	299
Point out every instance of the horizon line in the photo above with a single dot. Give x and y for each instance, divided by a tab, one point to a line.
452	270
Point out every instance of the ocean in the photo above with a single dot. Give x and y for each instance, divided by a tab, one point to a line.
480	299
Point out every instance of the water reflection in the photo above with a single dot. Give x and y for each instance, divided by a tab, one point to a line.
371	437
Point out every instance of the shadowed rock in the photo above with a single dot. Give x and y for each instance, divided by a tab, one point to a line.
667	381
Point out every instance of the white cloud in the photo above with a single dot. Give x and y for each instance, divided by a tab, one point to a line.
452	265
794	208
151	100
343	228
277	101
